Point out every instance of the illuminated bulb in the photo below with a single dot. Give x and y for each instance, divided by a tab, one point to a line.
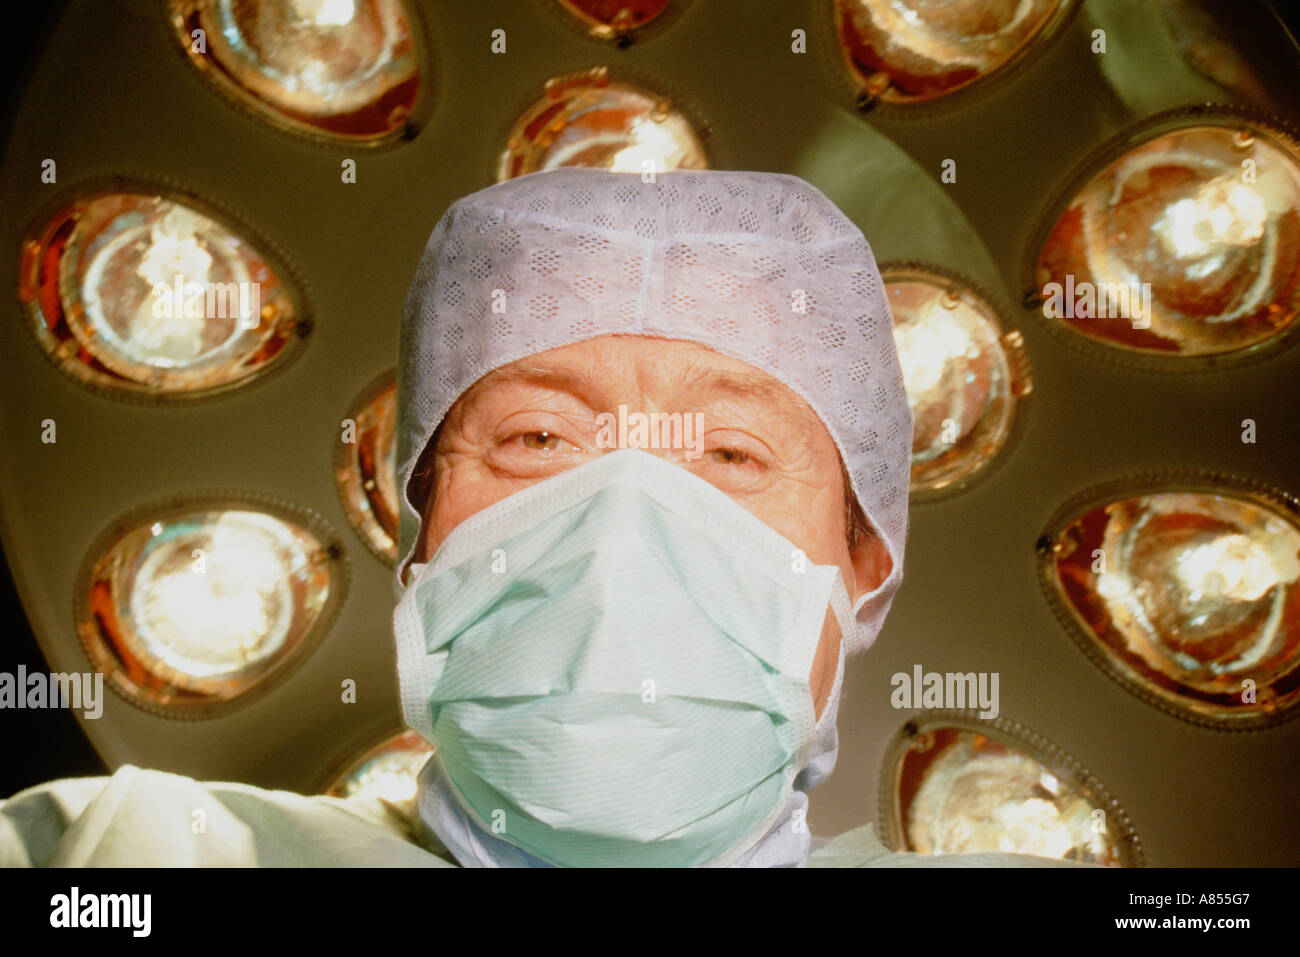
389	772
1224	212
188	612
218	613
388	783
1033	826
926	344
210	612
1049	782
365	471
1230	566
174	249
325	13
1110	585
650	141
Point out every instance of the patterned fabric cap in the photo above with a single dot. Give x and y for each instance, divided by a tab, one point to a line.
759	266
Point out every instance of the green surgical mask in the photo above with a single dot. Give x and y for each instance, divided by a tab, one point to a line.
613	664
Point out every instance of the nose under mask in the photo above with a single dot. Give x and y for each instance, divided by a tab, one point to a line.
613	667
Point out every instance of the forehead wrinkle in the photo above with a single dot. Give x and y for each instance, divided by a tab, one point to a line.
747	388
574	380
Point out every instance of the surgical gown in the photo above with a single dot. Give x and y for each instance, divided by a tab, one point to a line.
145	818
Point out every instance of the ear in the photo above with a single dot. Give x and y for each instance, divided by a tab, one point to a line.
420	553
871	564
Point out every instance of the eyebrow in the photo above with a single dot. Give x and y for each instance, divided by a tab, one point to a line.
576	381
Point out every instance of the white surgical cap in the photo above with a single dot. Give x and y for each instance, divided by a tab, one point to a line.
759	266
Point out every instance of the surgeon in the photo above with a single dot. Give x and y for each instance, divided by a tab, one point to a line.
653	458
629	643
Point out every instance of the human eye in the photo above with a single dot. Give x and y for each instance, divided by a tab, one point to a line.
533	445
735	449
730	455
734	462
538	440
541	439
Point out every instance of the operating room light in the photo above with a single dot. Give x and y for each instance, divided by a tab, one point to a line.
144	294
387	772
344	69
959	790
198	607
962	374
912	51
1190	598
365	468
1207	218
587	119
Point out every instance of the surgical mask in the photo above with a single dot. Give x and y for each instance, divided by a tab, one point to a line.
786	844
613	665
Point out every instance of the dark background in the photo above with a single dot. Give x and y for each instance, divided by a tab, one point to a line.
45	744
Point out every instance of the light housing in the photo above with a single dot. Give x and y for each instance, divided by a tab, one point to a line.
1184	588
588	119
142	293
388	771
1177	243
908	52
965	376
343	71
952	783
365	471
198	603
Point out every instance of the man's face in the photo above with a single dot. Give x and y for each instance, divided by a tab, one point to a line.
762	445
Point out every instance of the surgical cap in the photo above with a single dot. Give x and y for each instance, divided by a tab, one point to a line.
758	266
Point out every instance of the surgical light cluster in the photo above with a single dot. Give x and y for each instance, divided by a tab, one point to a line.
1184	589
